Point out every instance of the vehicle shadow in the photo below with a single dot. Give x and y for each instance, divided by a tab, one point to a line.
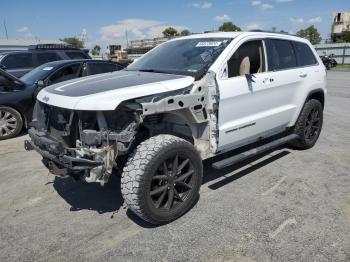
213	174
81	195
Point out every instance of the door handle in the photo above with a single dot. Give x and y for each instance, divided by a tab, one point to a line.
268	80
303	75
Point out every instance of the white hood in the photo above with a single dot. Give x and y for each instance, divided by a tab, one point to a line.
107	91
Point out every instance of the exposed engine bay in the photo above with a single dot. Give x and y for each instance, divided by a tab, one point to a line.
90	144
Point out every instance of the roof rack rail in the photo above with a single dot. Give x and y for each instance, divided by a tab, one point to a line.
52	46
266	31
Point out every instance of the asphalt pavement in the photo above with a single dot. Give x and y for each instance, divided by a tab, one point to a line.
288	205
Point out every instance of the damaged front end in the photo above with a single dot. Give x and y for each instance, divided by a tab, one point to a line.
82	143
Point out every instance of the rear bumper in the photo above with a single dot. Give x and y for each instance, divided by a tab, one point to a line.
59	159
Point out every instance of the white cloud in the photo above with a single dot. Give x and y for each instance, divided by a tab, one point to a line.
222	18
284	1
135	28
255	3
204	5
315	20
296	20
254	26
25	32
267	6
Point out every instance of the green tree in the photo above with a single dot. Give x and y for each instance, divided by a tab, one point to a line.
311	34
229	27
170	32
96	50
346	36
185	32
73	41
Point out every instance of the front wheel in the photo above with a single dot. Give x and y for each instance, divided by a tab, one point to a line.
11	122
161	179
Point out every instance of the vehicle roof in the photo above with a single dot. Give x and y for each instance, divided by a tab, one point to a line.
69	61
39	50
242	33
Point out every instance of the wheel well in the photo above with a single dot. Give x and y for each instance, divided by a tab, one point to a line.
167	123
318	95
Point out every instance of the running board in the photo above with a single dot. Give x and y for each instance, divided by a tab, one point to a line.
252	152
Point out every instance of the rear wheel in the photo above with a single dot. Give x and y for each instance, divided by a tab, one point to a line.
11	122
161	179
309	125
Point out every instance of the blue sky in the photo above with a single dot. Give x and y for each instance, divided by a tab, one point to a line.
106	21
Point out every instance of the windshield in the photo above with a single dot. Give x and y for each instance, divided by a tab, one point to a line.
36	74
191	57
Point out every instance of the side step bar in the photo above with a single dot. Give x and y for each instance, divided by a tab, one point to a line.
252	152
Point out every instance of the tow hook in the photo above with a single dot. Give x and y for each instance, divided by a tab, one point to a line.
55	170
28	146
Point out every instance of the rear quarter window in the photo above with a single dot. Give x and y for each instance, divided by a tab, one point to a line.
304	54
13	61
280	54
45	57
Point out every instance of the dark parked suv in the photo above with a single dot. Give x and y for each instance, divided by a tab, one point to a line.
18	63
18	95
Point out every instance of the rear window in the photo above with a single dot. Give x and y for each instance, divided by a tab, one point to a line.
280	54
99	68
46	57
304	54
76	55
13	61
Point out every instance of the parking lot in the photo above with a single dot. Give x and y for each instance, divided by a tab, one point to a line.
286	206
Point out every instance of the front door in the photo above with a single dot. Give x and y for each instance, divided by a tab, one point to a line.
252	105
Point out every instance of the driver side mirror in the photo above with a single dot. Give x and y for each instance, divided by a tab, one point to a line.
40	84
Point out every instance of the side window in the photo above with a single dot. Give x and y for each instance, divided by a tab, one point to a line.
13	61
76	55
280	54
304	54
248	59
98	68
46	57
65	73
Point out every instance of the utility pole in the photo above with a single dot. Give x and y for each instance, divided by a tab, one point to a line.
126	36
7	37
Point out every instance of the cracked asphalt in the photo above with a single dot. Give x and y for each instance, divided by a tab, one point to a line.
288	205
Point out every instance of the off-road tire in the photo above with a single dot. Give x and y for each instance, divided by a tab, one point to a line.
300	128
18	122
139	172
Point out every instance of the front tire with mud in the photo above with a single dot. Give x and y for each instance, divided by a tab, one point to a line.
161	178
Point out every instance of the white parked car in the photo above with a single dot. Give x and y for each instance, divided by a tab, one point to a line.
189	99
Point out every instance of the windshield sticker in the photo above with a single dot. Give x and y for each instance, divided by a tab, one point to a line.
48	68
208	44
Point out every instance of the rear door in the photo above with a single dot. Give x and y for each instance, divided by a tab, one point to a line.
18	64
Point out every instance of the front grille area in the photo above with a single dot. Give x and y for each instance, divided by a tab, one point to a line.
58	123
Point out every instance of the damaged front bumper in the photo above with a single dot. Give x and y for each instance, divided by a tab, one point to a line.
95	164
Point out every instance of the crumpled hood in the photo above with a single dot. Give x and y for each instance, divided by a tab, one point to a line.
107	91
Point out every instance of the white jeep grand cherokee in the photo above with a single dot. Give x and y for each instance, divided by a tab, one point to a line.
189	99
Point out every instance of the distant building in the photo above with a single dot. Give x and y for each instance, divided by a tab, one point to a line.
140	47
341	23
18	44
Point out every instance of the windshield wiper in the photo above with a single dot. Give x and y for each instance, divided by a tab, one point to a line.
153	71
